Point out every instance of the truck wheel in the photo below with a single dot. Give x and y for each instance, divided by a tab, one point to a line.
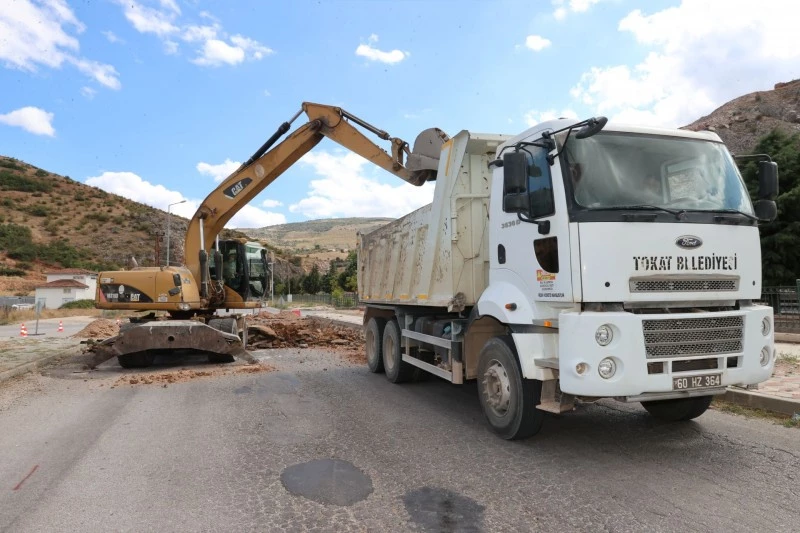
396	370
678	410
374	343
509	401
136	360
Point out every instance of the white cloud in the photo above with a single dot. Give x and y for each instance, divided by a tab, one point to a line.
252	48
218	172
200	33
537	43
267	93
31	119
534	117
112	37
253	217
170	47
345	190
564	7
271	203
146	19
213	46
42	33
703	53
88	92
133	187
374	54
216	53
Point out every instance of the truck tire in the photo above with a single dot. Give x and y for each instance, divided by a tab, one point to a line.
397	371
136	360
509	401
678	410
374	343
226	325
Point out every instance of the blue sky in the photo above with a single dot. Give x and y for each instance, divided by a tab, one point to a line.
156	100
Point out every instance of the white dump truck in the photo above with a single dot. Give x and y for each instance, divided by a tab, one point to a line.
574	261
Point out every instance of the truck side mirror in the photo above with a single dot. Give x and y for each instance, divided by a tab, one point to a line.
515	173
516	203
767	180
766	210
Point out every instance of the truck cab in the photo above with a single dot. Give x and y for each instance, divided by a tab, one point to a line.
640	248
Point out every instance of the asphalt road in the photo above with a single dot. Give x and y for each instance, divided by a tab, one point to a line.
48	327
321	444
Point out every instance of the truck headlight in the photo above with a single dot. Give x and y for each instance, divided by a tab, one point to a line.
604	335
766	326
607	368
184	306
764	358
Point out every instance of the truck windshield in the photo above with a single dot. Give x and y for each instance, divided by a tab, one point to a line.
615	170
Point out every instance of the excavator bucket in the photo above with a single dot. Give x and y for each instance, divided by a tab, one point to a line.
137	343
423	162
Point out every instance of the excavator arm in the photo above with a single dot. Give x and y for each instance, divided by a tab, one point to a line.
267	164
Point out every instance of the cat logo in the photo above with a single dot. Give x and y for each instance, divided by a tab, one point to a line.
234	190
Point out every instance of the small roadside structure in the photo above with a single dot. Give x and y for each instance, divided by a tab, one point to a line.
66	286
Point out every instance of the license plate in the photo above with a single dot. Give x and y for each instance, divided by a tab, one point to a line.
697	382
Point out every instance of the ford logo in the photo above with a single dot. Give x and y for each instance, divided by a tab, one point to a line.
688	242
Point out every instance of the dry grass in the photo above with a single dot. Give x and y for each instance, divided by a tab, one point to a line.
747	412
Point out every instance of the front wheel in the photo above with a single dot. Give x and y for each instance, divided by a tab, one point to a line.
509	401
678	410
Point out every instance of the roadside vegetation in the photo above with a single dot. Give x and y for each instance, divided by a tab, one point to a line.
775	418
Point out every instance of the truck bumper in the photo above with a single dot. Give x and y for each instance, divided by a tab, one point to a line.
650	350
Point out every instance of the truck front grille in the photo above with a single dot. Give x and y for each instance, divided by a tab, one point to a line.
684	285
680	337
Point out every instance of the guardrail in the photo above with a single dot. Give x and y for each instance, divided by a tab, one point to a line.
348	300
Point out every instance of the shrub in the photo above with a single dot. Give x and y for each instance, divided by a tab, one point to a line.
10	271
41	173
11	181
78	304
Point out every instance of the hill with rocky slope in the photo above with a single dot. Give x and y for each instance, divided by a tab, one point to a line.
741	122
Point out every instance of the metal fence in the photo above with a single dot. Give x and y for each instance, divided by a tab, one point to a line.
348	300
8	301
785	304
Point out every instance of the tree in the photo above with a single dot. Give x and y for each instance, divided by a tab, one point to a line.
329	280
312	283
780	240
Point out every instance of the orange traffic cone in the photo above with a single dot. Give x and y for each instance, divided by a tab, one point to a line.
296	312
23	331
60	327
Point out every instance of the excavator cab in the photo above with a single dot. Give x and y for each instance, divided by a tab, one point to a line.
243	269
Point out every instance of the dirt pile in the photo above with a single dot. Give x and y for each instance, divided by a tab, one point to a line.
186	374
287	330
102	328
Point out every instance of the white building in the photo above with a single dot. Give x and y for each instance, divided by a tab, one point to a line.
66	286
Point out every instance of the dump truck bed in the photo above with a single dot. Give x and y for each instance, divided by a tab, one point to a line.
437	255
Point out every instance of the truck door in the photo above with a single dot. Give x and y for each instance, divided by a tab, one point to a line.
535	228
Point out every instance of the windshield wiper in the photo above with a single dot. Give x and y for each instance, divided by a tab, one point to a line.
734	212
643	207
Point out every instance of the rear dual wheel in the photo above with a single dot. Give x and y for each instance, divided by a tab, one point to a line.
374	343
397	371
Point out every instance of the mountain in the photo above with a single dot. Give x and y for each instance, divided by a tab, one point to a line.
48	221
330	234
741	122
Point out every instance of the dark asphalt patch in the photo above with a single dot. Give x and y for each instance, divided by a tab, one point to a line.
331	481
433	509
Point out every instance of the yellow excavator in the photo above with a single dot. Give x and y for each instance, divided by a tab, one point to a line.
229	274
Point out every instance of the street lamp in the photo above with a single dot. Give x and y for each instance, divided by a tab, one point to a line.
168	220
